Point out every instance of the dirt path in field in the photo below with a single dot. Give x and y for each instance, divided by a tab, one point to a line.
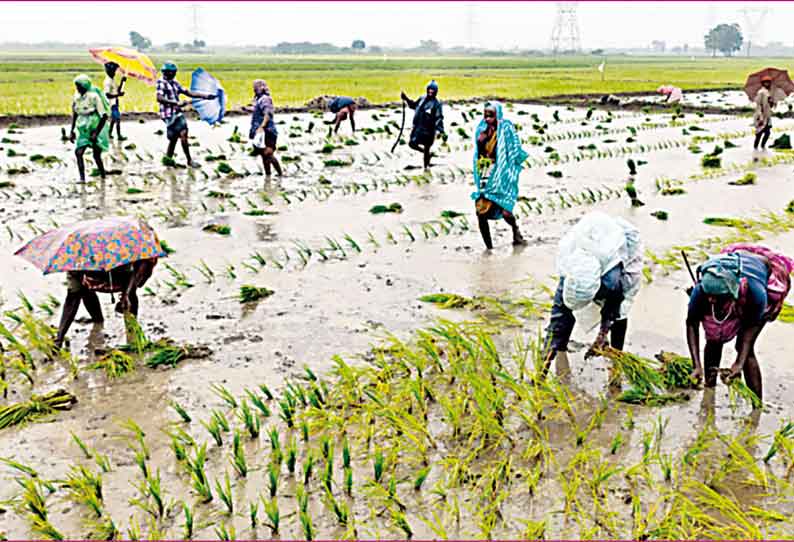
343	300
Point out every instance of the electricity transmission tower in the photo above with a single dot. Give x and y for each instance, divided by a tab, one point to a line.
195	27
470	18
754	19
565	34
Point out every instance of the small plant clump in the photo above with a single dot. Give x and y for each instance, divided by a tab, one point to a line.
660	215
250	293
35	407
221	229
749	178
382	209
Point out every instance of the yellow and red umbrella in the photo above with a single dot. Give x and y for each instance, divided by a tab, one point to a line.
131	63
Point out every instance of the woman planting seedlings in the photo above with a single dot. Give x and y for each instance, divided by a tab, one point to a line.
90	110
263	131
498	158
600	261
343	107
735	295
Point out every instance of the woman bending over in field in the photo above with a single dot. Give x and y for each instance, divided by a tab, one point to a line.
263	131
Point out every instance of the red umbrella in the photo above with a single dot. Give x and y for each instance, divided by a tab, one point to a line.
782	84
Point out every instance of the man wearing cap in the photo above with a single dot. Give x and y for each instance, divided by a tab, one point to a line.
168	92
762	118
428	120
113	92
600	261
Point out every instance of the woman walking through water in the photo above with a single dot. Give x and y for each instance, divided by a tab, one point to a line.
263	131
90	110
736	294
498	158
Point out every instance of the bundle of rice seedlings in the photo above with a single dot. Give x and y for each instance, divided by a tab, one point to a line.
166	247
115	363
132	191
660	215
35	407
640	372
737	389
672	191
222	229
259	212
170	354
786	314
676	370
749	178
136	338
381	209
250	293
219	195
555	173
636	396
783	142
451	214
446	301
726	222
711	161
336	163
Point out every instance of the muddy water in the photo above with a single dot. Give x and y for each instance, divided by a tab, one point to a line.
343	305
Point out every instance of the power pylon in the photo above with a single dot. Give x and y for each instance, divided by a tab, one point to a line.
754	19
195	27
565	34
470	18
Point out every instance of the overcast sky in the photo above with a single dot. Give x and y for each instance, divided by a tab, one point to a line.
499	25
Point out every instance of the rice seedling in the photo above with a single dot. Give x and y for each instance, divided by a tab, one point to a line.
224	492
250	293
180	410
738	390
307	526
555	174
726	222
221	229
38	406
272	512
273	473
115	364
748	178
377	465
382	209
187	526
225	533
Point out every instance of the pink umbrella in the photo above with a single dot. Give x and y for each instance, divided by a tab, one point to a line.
93	245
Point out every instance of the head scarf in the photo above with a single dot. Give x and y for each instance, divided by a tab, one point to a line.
432	84
582	280
84	82
168	67
260	87
721	275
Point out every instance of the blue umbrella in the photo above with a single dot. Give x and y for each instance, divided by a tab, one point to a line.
210	111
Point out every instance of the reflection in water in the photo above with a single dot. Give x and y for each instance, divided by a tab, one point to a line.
265	231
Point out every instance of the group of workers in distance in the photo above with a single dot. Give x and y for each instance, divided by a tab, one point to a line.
735	294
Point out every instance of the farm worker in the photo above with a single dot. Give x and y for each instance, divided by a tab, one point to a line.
83	286
428	120
263	131
343	107
168	92
90	110
599	261
735	295
762	118
112	93
498	158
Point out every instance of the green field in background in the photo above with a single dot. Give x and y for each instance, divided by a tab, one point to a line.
40	83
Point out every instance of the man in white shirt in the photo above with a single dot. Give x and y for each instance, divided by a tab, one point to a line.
113	92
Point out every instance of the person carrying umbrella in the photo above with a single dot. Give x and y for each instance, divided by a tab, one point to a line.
599	261
498	158
263	131
735	295
168	92
110	255
343	107
762	118
428	120
113	92
90	110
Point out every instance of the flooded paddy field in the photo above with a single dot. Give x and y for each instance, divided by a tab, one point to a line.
344	406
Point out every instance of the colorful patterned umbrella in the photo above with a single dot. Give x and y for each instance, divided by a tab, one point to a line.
782	85
131	62
93	245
